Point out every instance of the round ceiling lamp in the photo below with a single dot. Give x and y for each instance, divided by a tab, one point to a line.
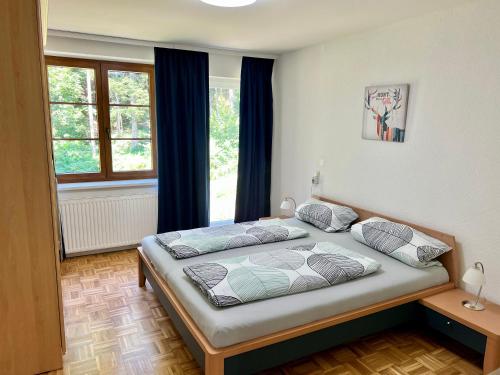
229	3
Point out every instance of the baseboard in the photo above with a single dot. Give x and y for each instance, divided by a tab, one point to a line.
102	251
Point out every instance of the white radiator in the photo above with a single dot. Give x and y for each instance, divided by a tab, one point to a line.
107	222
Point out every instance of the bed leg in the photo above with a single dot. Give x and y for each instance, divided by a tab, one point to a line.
140	272
214	364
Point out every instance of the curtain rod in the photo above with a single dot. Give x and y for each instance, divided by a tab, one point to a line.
147	43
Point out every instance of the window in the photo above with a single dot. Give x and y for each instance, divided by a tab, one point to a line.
103	120
224	146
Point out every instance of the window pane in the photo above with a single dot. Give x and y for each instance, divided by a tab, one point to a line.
130	122
70	84
224	145
76	157
131	155
128	87
74	121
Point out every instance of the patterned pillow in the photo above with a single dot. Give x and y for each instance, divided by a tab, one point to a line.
326	216
399	241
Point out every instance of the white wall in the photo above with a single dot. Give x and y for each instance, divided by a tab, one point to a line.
447	173
220	65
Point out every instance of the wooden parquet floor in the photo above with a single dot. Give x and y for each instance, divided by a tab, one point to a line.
115	327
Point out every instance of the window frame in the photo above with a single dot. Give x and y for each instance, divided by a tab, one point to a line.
101	68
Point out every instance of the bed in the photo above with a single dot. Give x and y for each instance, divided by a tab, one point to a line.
254	336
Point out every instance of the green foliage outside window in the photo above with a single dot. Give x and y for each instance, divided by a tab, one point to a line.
224	141
76	157
129	119
224	131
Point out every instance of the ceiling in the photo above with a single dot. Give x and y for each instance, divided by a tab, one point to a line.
272	26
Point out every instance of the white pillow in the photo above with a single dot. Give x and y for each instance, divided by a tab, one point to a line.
399	241
326	216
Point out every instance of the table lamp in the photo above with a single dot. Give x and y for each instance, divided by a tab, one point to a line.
474	276
286	204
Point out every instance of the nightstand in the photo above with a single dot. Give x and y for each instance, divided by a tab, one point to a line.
479	330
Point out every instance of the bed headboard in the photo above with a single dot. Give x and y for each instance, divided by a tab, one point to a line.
449	259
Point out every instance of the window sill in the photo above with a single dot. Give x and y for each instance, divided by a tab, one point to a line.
107	184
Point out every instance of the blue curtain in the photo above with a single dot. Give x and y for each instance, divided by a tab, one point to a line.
256	137
182	116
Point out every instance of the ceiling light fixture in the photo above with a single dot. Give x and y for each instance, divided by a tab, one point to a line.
229	3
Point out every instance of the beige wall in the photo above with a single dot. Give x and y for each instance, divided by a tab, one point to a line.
447	173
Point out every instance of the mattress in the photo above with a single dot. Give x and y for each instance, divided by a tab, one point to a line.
232	325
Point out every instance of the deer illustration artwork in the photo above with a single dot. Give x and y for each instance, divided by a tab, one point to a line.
390	100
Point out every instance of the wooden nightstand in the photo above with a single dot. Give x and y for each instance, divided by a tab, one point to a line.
477	329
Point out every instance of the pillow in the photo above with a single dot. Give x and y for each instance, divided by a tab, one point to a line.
327	216
399	241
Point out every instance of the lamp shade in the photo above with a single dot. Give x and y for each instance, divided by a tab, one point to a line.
229	3
285	204
474	277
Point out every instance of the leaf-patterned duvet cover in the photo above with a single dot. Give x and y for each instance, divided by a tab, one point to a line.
194	242
278	273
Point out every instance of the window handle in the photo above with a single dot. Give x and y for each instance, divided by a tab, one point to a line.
108	133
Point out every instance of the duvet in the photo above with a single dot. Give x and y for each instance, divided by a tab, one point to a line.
194	242
278	273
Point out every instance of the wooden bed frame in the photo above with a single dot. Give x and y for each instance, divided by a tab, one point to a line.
382	315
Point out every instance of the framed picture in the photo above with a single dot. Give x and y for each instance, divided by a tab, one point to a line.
385	112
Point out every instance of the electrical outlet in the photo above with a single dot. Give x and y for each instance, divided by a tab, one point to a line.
315	179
